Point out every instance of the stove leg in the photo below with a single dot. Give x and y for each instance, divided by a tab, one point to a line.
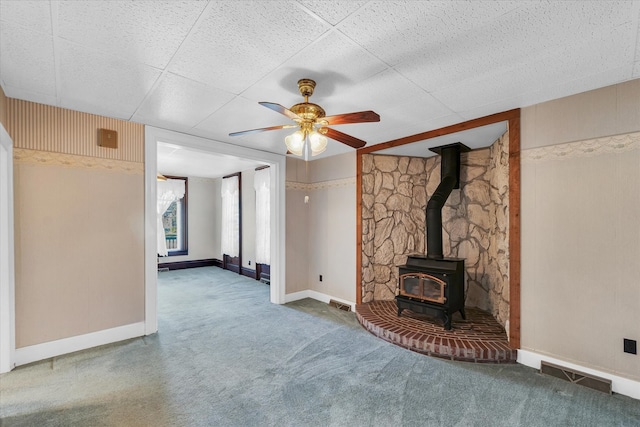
447	321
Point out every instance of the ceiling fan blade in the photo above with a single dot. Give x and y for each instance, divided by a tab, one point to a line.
344	138
359	117
282	110
245	132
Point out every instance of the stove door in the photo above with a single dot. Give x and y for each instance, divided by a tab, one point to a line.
423	286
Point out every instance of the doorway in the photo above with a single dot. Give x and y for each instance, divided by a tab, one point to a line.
278	164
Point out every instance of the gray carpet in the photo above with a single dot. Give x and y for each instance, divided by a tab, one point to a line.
225	356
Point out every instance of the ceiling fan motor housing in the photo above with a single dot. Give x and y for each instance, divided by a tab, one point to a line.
308	111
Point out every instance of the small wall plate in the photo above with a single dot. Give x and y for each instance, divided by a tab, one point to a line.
107	138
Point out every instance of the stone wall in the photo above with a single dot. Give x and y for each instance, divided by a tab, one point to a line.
395	191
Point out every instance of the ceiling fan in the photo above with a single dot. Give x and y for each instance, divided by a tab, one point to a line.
312	123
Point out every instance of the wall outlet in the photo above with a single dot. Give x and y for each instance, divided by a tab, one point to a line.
321	277
630	346
249	262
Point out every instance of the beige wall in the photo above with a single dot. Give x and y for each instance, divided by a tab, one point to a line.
203	221
580	231
79	223
321	233
297	219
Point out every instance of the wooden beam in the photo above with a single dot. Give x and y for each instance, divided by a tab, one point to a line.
514	232
358	227
482	121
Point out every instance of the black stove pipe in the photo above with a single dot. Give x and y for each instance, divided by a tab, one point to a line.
450	180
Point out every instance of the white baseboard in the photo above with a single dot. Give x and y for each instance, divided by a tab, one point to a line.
34	353
318	296
619	385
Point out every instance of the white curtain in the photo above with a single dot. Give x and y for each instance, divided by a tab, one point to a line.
261	183
169	191
230	240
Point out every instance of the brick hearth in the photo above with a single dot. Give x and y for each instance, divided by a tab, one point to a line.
479	338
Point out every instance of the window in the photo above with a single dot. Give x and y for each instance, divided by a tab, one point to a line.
231	238
174	222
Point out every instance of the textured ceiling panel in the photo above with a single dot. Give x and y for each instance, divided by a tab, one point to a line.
102	84
26	60
333	11
143	31
542	71
240	114
397	31
180	161
179	101
35	15
238	43
334	62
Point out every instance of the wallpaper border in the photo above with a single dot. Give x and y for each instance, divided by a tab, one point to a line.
345	182
48	158
587	148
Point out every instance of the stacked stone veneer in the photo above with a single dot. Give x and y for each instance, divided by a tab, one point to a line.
395	191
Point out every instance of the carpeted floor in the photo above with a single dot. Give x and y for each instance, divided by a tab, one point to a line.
225	356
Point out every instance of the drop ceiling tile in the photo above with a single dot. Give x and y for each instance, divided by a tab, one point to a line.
34	15
179	101
333	61
513	38
242	114
544	71
27	95
102	84
333	11
181	161
238	43
26	59
145	32
394	31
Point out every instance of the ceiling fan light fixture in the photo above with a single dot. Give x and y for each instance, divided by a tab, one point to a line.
295	142
317	143
313	124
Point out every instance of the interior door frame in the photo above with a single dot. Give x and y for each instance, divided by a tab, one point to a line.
7	265
277	162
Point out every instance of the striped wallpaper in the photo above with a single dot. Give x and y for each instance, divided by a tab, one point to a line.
45	128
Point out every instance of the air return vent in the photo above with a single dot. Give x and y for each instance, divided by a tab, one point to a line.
576	377
339	305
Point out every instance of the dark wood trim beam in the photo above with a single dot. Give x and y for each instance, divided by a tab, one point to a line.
358	227
514	232
482	121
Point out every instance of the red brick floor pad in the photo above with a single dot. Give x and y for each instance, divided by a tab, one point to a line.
479	338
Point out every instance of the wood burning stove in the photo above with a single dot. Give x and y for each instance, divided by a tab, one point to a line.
433	284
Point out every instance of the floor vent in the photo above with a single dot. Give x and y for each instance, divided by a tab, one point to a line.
576	377
163	269
339	305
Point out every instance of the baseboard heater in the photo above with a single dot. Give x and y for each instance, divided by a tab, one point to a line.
576	377
339	305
